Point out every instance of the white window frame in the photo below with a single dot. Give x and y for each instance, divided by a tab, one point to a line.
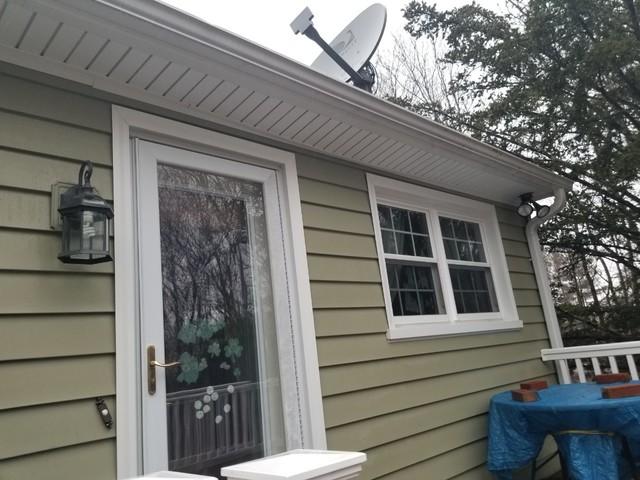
128	124
434	204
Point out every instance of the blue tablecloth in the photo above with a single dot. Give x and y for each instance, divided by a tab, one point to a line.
517	431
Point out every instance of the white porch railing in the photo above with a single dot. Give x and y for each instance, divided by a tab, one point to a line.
585	361
230	429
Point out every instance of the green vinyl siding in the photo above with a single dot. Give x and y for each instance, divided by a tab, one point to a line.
84	460
341	350
56	321
417	408
49	426
60	335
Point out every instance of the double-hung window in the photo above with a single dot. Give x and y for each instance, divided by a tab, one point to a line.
442	263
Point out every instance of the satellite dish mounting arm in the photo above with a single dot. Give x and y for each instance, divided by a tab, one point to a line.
302	24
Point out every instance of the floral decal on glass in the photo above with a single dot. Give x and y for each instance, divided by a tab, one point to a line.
208	402
208	337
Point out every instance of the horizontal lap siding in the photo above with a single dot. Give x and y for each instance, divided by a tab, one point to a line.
94	460
56	321
418	408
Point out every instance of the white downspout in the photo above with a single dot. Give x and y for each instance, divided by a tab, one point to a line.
542	279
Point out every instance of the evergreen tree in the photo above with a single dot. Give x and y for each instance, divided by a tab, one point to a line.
556	82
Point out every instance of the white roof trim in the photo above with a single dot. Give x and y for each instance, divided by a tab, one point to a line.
344	122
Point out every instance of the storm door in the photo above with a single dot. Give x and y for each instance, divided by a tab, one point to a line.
213	300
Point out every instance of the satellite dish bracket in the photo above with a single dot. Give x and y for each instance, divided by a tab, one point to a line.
357	79
303	24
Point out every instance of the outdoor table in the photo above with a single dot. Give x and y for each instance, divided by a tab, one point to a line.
594	435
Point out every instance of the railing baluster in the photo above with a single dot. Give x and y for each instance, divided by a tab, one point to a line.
613	364
227	424
564	371
632	367
234	418
254	420
246	416
175	436
581	376
188	420
595	363
198	443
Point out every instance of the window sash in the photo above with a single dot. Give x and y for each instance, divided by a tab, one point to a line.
393	232
436	289
466	263
465	293
410	258
413	260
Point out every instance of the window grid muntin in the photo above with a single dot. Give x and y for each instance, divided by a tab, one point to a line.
397	301
483	294
391	234
461	239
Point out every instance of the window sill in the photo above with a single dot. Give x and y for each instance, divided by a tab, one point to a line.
421	331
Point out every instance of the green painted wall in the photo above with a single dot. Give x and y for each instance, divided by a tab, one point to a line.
417	408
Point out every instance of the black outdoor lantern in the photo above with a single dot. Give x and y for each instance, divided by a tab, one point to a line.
85	222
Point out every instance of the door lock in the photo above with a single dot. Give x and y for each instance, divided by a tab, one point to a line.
152	363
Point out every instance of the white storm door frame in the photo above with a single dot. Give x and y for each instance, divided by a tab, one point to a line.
128	124
148	156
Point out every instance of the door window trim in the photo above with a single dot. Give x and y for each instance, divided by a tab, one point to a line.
128	124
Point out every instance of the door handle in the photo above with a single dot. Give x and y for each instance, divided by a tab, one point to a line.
152	363
163	365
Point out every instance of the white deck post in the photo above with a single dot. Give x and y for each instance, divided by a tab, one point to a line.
300	465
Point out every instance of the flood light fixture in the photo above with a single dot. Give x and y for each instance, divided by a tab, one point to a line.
528	205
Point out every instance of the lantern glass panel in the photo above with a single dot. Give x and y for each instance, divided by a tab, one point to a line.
86	235
72	232
93	231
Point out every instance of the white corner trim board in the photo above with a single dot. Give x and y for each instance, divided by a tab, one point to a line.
542	279
126	124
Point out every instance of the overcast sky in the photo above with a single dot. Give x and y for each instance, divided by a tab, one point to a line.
267	22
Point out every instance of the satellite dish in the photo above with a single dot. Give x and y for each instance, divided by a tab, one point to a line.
356	43
347	57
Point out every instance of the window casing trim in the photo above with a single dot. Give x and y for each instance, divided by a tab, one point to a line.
437	204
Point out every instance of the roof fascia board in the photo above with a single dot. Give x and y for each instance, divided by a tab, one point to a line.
261	57
147	23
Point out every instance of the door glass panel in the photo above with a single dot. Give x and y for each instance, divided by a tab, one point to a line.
223	401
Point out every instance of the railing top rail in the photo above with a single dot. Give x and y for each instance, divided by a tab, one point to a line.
238	387
586	351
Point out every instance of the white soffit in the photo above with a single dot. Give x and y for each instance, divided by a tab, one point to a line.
147	51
